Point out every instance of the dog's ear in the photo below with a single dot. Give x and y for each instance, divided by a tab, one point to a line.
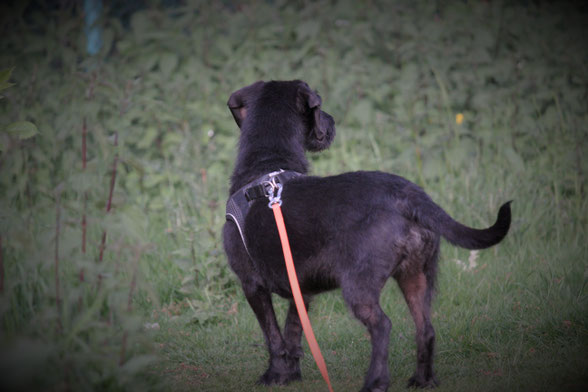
310	100
307	98
240	99
322	128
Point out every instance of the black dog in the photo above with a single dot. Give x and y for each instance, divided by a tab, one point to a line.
352	231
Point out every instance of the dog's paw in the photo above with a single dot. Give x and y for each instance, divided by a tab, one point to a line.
271	377
377	385
284	368
377	389
416	382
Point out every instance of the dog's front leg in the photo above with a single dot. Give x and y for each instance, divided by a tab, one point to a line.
283	366
293	332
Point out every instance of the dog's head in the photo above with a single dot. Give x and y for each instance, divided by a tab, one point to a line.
289	105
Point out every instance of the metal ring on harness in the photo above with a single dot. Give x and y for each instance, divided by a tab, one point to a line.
274	193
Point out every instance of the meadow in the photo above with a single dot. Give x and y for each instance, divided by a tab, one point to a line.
114	172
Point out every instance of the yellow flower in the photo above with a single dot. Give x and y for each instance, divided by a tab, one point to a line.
459	118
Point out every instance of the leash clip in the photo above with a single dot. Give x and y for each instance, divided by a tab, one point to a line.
274	191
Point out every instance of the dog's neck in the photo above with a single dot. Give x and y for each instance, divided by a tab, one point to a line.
261	157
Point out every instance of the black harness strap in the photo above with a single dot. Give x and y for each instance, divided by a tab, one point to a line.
239	203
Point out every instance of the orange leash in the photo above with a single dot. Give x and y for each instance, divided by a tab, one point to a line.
297	294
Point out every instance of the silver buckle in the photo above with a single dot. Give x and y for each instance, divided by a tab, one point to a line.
274	191
274	188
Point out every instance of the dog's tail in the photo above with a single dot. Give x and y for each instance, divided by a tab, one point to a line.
436	219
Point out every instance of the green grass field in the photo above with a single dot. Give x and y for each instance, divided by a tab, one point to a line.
478	102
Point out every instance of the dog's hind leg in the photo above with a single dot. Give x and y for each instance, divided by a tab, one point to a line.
417	290
364	303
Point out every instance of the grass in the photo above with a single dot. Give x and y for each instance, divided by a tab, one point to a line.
492	347
468	99
515	322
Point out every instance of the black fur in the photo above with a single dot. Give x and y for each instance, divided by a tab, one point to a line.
353	231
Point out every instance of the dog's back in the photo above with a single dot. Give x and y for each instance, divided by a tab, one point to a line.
338	224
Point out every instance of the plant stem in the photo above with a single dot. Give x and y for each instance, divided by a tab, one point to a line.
56	258
138	253
84	149
1	267
113	177
109	203
123	349
84	222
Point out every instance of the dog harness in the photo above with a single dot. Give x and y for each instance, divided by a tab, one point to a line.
239	203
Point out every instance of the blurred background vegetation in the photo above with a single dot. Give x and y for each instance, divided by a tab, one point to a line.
114	172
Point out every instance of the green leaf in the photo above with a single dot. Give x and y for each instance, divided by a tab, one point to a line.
22	129
308	29
168	63
4	76
153	180
514	159
148	138
138	363
141	23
